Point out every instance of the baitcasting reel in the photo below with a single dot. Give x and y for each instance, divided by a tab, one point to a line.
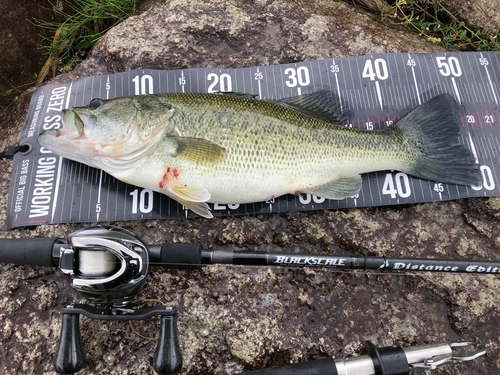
108	265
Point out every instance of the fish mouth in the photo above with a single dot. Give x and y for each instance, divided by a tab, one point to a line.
70	138
76	123
73	125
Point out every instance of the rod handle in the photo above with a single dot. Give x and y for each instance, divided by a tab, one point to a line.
325	366
28	251
176	256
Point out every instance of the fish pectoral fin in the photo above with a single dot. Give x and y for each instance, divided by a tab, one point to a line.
197	150
340	188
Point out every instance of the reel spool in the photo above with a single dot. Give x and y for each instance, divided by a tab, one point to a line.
108	265
105	264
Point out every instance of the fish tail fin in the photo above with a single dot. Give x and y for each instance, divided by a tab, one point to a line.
432	131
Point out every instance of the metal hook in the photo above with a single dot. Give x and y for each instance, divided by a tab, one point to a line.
478	351
433	362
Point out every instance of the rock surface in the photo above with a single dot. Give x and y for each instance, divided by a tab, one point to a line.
21	56
482	14
240	318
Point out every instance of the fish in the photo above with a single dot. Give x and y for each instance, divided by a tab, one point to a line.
234	148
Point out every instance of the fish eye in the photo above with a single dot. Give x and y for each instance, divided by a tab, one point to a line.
95	103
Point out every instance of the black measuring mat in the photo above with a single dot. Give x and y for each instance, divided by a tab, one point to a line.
380	89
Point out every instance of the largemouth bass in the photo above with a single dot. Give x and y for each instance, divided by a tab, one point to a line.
229	148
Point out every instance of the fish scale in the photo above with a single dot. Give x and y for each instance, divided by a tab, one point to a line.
230	148
280	123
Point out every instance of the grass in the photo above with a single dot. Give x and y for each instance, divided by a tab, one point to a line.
83	25
71	40
441	25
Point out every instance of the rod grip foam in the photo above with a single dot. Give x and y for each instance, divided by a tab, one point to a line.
179	256
28	251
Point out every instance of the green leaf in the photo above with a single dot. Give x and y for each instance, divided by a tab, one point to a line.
86	43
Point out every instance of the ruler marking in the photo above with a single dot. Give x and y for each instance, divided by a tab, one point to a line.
491	152
338	87
489	79
494	72
379	95
56	191
483	93
475	80
69	95
258	83
367	98
391	99
473	148
475	93
360	103
351	99
107	87
406	95
284	93
393	84
99	195
414	79
352	103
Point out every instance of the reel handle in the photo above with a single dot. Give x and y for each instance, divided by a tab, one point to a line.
70	356
168	357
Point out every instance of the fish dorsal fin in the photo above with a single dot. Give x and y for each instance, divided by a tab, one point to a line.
337	189
323	105
197	150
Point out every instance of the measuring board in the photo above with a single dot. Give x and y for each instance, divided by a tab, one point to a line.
380	89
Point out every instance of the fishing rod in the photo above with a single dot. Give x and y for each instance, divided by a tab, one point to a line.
390	360
107	265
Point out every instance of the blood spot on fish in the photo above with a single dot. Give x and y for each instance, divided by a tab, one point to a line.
167	177
163	181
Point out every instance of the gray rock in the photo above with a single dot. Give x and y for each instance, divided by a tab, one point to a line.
21	56
240	318
179	35
482	14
